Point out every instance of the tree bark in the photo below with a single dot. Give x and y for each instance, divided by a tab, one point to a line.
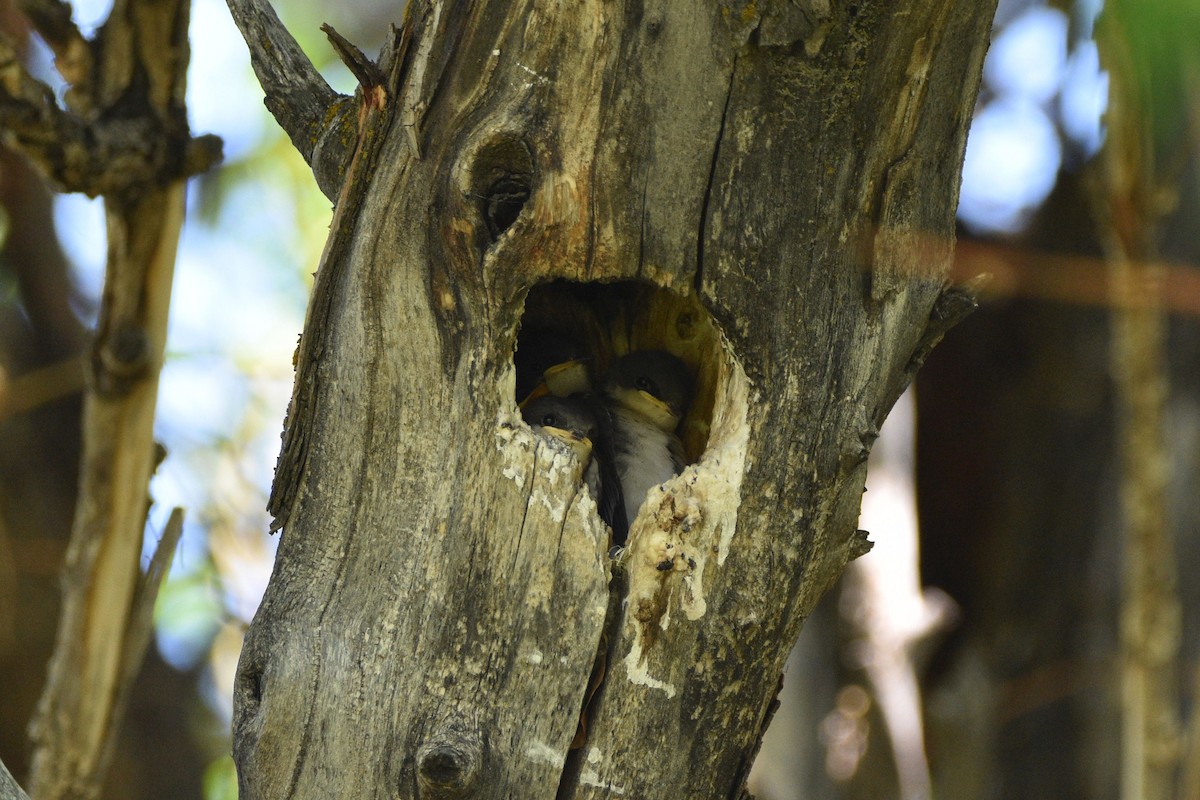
768	190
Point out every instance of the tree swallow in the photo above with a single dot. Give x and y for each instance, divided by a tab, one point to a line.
549	361
583	424
647	393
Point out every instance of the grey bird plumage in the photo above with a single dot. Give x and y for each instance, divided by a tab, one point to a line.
582	422
647	393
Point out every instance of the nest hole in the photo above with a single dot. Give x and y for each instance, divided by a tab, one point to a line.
604	321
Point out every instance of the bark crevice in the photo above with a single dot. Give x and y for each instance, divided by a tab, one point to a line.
710	187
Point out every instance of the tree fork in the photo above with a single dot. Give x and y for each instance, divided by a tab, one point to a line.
765	188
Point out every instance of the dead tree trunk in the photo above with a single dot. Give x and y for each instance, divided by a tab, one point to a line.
767	190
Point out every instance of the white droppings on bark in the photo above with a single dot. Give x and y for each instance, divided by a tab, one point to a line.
563	474
639	673
588	516
695	513
537	76
516	443
681	524
552	503
589	777
719	477
559	473
537	751
692	596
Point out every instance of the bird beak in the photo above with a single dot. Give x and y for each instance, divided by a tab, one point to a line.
567	378
574	439
658	412
562	380
541	390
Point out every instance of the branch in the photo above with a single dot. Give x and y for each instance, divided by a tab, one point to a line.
320	122
102	158
72	52
31	120
141	620
52	18
97	648
1126	182
136	150
9	789
32	389
367	72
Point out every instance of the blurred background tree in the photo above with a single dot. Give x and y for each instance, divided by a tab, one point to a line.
1022	472
974	655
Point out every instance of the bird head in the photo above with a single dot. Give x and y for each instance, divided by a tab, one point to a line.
653	383
566	420
549	361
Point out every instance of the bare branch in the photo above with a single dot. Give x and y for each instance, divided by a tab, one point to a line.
32	389
1124	192
136	149
367	72
52	19
32	121
296	94
9	789
72	52
92	655
141	618
97	159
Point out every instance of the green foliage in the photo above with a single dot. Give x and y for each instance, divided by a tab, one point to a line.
1152	50
220	780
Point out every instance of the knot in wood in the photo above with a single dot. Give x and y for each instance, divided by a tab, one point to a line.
500	176
120	359
449	764
503	202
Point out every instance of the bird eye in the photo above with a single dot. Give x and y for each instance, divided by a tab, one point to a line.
549	421
643	383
